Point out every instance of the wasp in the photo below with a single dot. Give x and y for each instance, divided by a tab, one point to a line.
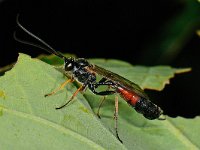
86	73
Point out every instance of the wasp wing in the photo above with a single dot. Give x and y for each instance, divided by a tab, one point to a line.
119	80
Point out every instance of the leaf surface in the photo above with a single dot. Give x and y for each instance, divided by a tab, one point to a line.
28	120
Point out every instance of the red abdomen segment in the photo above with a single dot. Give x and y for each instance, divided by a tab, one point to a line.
129	96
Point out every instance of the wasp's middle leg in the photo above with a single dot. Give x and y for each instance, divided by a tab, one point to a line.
93	87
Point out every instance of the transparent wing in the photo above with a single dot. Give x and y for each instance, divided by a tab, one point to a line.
119	80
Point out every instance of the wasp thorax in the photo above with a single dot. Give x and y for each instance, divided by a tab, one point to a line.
82	62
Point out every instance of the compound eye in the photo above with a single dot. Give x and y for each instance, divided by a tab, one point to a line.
69	67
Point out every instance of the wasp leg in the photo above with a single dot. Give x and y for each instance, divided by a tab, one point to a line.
75	93
116	118
59	88
103	93
100	82
101	103
103	82
93	87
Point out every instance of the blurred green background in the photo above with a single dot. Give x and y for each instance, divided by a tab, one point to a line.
140	32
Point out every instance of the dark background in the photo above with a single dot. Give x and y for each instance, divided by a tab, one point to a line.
140	32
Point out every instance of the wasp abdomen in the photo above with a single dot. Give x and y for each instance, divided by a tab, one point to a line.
148	109
130	97
141	105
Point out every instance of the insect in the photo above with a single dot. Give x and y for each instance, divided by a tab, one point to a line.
86	73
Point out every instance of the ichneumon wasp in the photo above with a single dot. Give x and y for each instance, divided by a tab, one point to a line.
85	73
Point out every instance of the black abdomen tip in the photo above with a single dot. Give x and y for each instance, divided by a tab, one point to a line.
148	109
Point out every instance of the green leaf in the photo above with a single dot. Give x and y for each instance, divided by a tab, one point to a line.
28	120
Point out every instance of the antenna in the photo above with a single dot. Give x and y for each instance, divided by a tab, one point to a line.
50	49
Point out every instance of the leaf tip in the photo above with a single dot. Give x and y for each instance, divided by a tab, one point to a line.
182	70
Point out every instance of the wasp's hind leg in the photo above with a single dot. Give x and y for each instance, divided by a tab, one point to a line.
102	93
60	87
116	118
102	82
93	87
